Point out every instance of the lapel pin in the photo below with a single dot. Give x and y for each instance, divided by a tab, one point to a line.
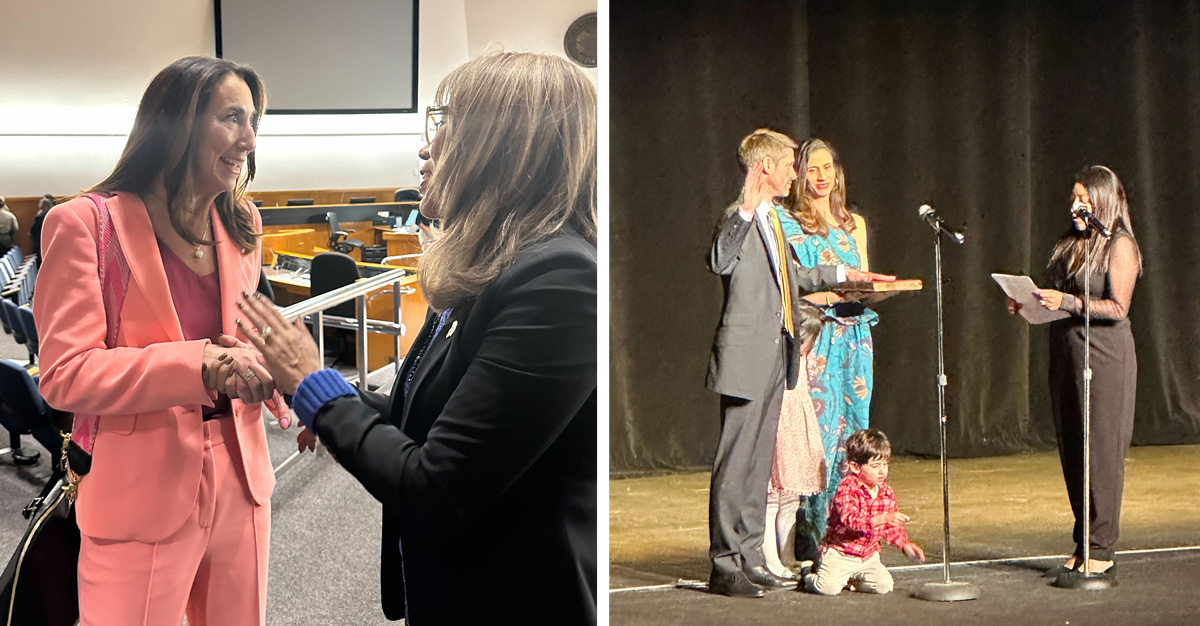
453	327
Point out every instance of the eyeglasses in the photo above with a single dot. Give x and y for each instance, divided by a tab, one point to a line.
433	121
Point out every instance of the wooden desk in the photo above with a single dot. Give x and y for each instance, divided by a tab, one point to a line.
399	242
291	288
297	239
288	222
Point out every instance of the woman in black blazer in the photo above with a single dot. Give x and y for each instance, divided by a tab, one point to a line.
485	453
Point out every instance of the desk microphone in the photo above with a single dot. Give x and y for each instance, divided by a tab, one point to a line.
935	222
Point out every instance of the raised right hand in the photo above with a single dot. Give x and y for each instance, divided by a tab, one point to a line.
751	193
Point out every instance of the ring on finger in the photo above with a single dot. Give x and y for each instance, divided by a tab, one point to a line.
266	334
248	374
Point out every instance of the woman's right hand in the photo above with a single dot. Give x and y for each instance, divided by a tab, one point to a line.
1014	307
225	368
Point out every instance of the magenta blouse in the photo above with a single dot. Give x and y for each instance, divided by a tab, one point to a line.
197	301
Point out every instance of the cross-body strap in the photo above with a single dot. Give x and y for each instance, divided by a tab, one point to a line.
114	279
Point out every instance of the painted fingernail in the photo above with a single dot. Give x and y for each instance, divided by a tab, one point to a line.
239	304
257	296
244	294
238	321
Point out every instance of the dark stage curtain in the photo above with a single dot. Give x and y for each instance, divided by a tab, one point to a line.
985	110
686	84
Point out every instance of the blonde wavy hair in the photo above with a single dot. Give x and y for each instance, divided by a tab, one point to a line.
517	165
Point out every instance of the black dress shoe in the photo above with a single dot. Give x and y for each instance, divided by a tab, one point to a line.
760	575
734	585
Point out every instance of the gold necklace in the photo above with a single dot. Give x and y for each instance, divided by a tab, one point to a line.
200	249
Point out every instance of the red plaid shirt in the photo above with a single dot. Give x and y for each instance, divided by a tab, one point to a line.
850	528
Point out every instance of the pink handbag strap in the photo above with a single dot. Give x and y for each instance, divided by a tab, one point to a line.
114	279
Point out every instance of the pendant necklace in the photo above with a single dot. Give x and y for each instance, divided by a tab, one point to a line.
199	249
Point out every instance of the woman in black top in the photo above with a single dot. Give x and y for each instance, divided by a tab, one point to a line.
485	453
1115	266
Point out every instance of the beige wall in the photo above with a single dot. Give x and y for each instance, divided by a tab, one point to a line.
67	99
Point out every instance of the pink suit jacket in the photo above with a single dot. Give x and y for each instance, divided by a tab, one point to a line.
148	390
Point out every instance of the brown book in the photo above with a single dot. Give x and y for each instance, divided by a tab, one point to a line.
910	284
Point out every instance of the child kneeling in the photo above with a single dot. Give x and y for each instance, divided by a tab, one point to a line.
864	511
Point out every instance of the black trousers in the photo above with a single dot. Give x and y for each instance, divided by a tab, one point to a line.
737	500
1114	386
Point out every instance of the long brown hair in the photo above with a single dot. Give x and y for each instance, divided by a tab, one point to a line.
800	201
1111	207
517	165
164	138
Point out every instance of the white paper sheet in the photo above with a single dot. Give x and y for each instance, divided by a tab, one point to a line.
1021	289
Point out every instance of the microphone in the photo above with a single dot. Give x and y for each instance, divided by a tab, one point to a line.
1081	211
937	224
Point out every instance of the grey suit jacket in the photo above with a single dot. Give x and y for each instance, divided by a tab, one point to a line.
750	331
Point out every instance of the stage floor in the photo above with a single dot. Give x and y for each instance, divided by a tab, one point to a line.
1002	508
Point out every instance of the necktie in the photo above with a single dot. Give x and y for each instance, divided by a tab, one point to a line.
785	288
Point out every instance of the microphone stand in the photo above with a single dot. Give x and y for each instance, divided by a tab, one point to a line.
946	590
1086	580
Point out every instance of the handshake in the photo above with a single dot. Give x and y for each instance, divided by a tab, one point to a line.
278	356
237	370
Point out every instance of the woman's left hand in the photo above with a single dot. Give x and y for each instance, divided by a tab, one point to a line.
289	350
1049	298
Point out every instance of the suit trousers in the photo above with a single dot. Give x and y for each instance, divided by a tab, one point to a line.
737	500
214	568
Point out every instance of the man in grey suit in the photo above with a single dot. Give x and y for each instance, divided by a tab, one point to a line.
753	355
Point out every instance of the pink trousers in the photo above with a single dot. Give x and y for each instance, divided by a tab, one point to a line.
214	567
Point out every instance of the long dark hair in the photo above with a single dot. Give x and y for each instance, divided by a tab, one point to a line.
166	133
1111	207
799	200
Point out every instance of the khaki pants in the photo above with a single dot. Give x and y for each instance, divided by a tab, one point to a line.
836	570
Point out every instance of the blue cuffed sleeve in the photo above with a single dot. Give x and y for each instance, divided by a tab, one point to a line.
315	391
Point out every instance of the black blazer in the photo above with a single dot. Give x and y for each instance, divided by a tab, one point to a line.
487	468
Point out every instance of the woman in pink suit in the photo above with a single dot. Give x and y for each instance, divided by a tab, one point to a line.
175	511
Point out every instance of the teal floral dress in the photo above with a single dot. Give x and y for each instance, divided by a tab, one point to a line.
840	376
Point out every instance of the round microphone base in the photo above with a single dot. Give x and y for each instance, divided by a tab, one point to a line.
948	592
1078	580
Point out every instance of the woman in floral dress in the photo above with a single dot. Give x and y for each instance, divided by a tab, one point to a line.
823	231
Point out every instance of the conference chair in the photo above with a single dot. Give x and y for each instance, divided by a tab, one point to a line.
25	317
407	194
338	238
264	286
331	270
23	411
13	319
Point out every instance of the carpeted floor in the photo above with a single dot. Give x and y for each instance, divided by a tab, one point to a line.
324	536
